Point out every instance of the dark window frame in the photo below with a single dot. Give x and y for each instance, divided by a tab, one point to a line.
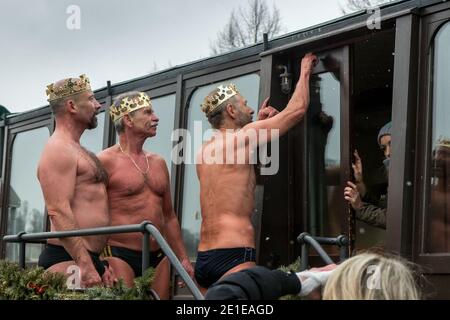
10	136
433	263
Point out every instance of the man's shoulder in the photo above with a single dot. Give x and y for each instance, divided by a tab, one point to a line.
107	154
58	148
155	158
58	155
109	158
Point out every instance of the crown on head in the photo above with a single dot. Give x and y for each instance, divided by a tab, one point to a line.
68	87
215	99
443	142
128	104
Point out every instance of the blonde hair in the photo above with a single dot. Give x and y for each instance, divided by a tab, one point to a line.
370	276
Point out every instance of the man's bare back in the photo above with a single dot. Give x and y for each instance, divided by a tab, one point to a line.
227	180
133	199
227	201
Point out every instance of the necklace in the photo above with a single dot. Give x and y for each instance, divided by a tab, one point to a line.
144	173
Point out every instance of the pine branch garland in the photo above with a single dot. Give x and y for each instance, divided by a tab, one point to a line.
37	284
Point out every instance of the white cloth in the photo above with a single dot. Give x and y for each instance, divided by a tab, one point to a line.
312	280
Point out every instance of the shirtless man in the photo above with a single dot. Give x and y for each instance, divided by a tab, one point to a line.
138	190
227	243
73	183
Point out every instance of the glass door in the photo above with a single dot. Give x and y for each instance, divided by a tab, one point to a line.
327	156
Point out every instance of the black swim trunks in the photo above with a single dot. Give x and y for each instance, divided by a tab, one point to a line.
54	254
133	257
211	265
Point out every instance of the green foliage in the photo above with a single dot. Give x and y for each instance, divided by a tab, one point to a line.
30	284
37	284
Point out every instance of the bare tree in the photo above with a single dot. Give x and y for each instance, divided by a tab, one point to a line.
247	26
357	5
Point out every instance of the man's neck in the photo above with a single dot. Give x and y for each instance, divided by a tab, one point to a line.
131	144
229	126
68	130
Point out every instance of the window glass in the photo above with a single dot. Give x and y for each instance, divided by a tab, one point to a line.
438	235
249	88
161	144
324	155
26	205
92	140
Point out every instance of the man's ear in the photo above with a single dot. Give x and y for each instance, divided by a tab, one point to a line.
127	120
71	106
231	110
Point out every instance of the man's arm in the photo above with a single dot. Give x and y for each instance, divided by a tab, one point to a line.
172	227
57	175
297	106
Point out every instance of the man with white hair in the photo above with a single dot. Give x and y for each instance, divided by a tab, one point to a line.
138	190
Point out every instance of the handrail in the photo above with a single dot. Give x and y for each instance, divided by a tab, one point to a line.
146	228
306	240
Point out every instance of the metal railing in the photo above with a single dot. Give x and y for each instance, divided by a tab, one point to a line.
146	228
306	241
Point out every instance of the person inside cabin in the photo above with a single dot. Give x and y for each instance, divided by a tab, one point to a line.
366	276
227	238
73	182
370	205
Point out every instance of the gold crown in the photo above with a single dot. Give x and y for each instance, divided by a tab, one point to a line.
68	87
128	105
214	100
443	142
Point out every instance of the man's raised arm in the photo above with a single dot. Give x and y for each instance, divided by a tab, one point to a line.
297	106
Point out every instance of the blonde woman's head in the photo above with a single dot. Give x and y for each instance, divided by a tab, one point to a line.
370	276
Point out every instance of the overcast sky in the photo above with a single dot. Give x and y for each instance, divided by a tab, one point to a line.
117	40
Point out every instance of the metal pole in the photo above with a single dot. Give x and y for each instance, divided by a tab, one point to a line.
342	253
74	233
173	260
304	261
145	251
319	249
22	249
22	254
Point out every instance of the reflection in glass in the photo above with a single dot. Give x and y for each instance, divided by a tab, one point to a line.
438	239
249	88
26	205
324	152
92	140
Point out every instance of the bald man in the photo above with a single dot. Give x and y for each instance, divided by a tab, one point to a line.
227	242
73	183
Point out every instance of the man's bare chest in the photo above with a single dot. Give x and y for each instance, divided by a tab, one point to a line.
89	169
128	181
